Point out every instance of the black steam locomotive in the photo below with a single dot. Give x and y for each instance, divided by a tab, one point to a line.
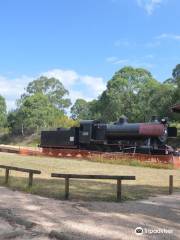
120	136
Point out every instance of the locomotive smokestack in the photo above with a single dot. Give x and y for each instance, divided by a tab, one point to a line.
122	120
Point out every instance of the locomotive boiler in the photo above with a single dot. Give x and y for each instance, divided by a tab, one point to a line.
121	136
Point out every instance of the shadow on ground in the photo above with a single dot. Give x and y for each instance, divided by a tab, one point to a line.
67	220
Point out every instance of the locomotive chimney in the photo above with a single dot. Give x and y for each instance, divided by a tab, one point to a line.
122	120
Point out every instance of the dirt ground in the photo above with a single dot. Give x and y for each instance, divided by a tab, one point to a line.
26	216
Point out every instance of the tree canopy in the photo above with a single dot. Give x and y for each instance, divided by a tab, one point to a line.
130	92
133	92
42	106
80	109
3	113
176	80
50	87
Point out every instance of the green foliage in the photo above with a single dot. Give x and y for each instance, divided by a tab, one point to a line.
176	78
50	87
155	99
94	109
80	109
3	113
34	113
85	110
127	93
131	91
135	93
37	111
176	73
63	121
41	107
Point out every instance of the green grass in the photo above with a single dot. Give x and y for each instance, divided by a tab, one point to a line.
150	181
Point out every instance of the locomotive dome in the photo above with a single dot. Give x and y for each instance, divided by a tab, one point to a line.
123	119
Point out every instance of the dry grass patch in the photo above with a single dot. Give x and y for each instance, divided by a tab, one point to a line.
150	181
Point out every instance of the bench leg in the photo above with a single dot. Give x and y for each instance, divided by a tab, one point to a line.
6	176
170	184
30	179
118	190
66	188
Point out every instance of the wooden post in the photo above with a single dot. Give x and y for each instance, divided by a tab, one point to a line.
30	179
6	176
66	188
118	190
170	184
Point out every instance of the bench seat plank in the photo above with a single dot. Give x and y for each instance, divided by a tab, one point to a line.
87	176
20	169
92	176
26	170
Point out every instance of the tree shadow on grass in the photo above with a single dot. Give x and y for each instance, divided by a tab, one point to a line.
85	190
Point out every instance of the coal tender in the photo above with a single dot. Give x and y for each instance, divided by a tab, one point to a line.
121	136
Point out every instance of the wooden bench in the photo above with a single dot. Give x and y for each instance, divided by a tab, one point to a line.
82	176
30	171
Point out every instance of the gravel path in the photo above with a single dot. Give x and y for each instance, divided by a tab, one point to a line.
26	216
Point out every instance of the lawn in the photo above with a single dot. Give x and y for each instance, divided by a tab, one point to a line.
150	181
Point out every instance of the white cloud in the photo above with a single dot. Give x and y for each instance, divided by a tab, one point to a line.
169	36
149	56
142	62
95	83
121	61
152	44
149	5
12	89
69	78
132	44
123	43
89	87
11	104
116	60
74	94
111	59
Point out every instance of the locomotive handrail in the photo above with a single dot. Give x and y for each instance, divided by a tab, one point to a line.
92	176
30	171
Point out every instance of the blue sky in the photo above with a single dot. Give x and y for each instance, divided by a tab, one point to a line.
83	42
